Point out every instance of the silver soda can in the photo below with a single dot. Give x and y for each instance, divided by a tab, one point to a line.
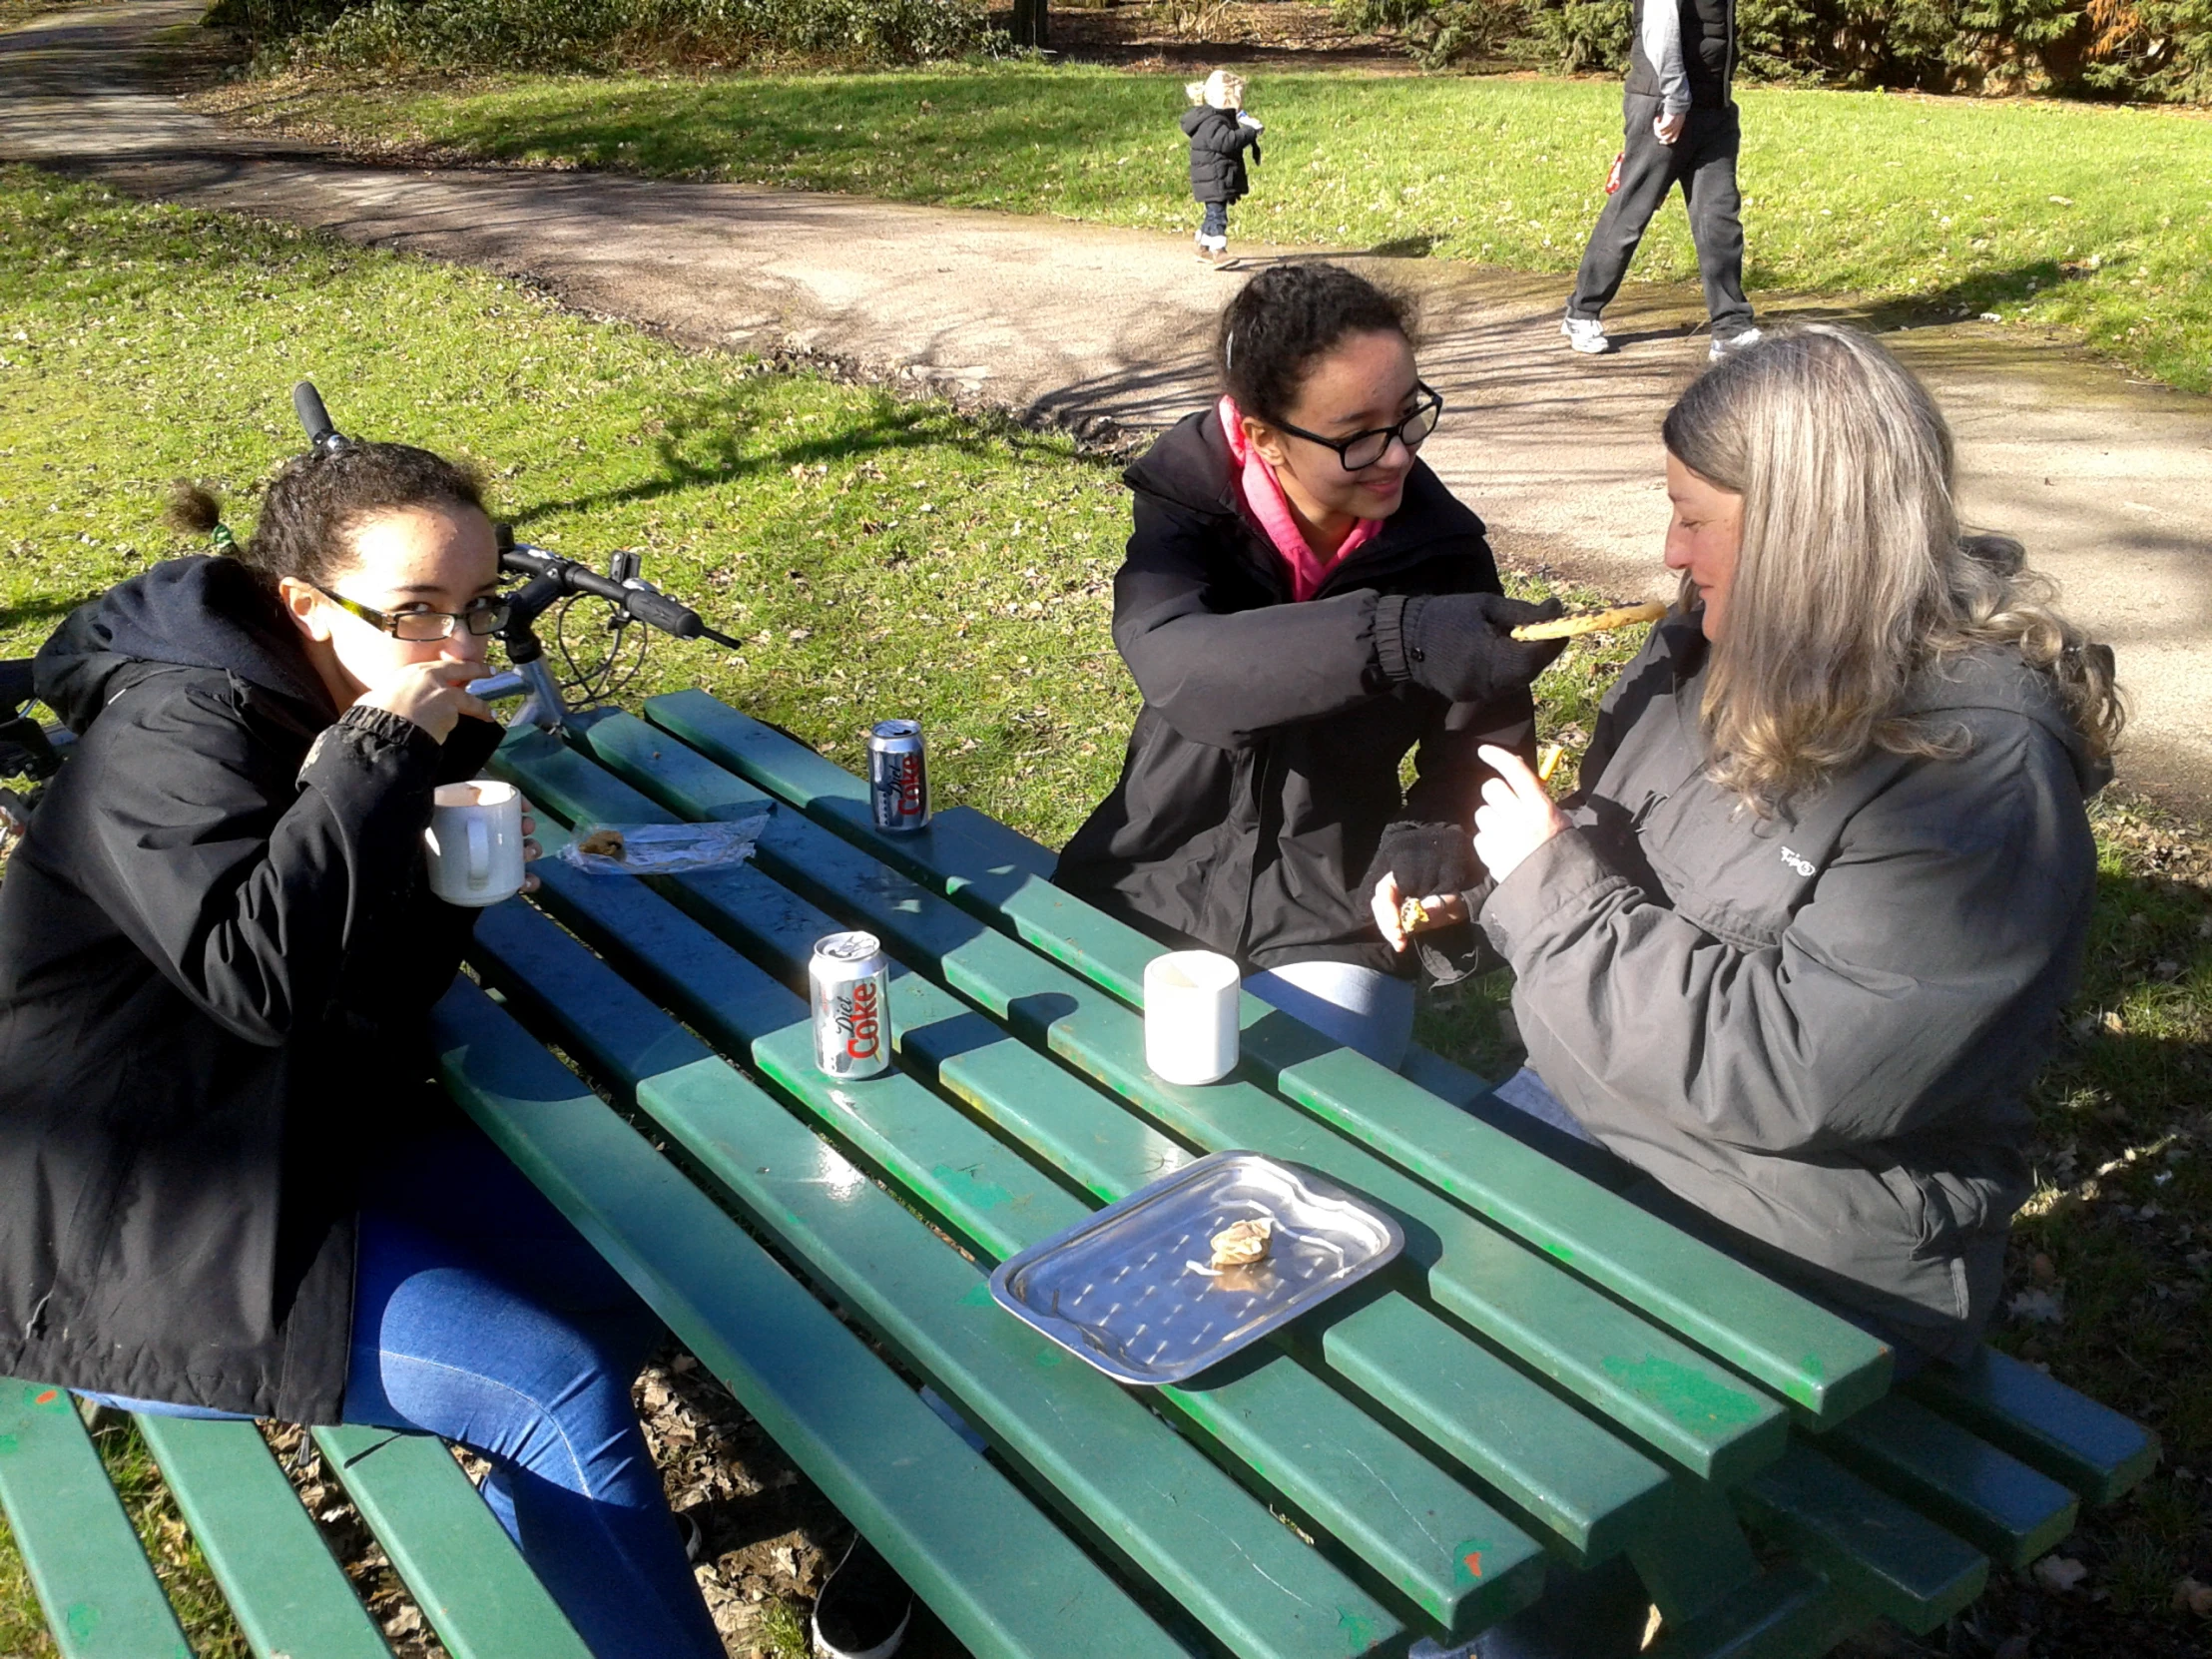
850	981
899	775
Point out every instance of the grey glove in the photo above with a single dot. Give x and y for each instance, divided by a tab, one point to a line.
1458	645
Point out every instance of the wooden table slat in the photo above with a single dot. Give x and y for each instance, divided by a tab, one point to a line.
1825	1366
1989	1497
1120	1472
462	1569
1779	1616
100	1595
1572	1475
1684	1404
1879	1550
286	1589
2041	1421
1003	1577
1438	1542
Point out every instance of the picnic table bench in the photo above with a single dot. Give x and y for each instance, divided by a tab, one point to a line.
1548	1373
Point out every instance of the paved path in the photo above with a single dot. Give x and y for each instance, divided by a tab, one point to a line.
2105	480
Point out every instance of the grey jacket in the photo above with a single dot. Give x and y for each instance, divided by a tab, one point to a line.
1818	1029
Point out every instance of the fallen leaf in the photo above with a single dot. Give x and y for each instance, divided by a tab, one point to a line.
2192	1598
2037	1307
2059	1574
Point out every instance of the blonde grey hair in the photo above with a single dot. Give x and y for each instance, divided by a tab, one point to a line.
1853	578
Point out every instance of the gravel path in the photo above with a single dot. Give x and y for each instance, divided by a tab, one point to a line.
2103	478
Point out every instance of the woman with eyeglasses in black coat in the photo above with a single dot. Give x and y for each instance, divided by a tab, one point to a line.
1304	604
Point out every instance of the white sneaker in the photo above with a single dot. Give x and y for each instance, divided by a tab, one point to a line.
1585	335
1735	343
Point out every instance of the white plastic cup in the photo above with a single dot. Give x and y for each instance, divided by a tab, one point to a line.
474	842
1190	1016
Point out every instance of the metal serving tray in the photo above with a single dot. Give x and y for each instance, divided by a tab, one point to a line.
1129	1290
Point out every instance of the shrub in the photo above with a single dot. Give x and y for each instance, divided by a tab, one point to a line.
466	35
2157	49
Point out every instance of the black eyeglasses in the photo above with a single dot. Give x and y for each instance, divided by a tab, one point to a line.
481	616
1362	450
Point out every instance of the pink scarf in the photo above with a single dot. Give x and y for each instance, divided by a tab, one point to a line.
1263	498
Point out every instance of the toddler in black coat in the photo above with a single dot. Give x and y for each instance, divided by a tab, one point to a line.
1219	131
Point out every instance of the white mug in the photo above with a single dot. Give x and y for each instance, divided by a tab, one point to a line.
475	842
1190	1016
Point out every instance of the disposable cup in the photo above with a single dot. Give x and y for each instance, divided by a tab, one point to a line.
1190	1016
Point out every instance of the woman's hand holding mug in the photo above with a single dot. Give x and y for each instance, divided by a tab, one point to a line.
1516	816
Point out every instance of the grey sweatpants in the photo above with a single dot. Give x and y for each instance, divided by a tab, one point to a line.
1703	161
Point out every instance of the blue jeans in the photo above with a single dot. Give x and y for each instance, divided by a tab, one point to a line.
1215	220
1357	1006
481	1316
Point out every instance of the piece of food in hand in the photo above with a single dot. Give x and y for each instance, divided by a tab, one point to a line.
1594	622
1547	760
1241	1244
608	843
1413	916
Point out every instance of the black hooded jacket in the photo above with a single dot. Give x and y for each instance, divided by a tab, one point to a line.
217	960
1264	764
1218	141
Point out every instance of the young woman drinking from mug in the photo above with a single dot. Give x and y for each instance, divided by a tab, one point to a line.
228	1185
1302	605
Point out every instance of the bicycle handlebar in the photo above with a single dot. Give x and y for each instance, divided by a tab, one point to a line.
656	610
647	605
323	433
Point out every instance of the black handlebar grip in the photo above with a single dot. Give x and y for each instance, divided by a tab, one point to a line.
671	616
306	403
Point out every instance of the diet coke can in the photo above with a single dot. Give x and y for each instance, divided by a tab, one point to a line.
899	775
850	980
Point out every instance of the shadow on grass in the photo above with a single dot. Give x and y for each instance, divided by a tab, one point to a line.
701	446
39	610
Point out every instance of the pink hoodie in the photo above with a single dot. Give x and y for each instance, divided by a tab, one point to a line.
1271	510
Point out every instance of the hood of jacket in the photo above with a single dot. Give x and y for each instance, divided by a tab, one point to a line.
1988	679
203	610
1190	467
1199	114
1996	679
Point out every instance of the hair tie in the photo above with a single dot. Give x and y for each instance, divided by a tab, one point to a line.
223	541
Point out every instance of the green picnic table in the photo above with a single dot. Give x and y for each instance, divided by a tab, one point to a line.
1548	1374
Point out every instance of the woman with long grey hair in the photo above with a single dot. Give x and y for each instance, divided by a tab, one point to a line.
1799	943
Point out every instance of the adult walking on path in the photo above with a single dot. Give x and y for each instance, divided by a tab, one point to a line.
1680	127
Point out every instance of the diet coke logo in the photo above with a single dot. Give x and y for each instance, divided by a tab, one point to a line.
859	1021
905	782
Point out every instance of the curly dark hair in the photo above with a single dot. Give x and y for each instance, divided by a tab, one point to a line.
318	499
1285	318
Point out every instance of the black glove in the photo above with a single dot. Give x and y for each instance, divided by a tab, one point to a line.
1457	644
1428	860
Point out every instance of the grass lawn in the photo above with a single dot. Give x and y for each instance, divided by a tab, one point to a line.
885	557
2093	219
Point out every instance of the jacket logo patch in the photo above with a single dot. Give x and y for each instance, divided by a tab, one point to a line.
1803	866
